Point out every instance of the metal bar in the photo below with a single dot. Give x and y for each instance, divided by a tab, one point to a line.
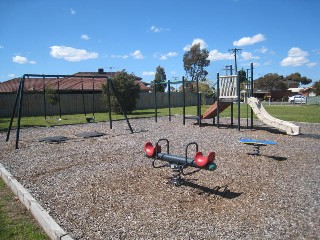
155	104
251	66
59	98
19	112
169	100
83	101
93	97
44	98
184	101
218	101
14	110
109	103
238	93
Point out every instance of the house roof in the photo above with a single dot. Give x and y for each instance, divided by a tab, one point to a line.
75	82
295	90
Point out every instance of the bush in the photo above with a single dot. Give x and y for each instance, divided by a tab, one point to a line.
127	91
51	96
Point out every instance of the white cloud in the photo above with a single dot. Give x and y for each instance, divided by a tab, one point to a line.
148	73
72	11
155	29
167	55
249	40
71	54
262	50
120	56
312	64
248	56
85	37
214	55
137	54
22	60
158	29
296	57
11	75
196	41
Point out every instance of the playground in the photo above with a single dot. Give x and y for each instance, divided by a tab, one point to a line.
104	187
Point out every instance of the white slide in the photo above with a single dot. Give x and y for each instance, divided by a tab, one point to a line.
266	118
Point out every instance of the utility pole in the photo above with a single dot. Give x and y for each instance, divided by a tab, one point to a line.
234	51
228	68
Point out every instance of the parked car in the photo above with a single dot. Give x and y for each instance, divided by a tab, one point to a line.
297	99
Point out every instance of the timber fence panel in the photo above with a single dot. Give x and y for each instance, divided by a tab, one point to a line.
72	103
313	100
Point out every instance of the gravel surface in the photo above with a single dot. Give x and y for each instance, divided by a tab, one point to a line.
105	187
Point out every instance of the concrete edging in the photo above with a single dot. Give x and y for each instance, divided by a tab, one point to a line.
50	227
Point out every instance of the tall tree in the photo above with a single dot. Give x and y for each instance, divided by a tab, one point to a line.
127	92
160	78
195	61
316	87
298	78
269	82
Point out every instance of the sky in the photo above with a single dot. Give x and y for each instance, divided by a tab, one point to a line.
70	36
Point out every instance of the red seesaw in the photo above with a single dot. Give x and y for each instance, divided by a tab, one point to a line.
178	163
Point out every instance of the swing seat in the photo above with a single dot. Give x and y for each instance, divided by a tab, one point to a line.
90	119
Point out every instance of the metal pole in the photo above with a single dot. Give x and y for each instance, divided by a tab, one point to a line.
169	100
218	100
184	101
83	102
14	110
198	103
59	98
251	66
238	93
19	112
44	98
93	97
109	103
155	103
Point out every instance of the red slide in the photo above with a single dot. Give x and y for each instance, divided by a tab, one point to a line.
213	109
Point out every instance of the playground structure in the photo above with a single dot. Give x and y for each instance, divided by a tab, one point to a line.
228	93
20	92
179	163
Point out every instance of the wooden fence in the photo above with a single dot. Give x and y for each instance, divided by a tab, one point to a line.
72	103
313	100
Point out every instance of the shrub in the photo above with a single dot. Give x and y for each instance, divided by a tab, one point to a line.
127	92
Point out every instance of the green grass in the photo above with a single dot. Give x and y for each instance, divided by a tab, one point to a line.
15	221
296	113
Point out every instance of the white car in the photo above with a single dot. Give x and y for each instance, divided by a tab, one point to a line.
298	99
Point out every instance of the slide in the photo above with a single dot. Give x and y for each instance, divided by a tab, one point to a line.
266	118
213	109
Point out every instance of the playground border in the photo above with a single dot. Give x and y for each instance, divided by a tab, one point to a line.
50	227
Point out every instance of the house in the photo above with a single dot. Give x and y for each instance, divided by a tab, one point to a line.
77	82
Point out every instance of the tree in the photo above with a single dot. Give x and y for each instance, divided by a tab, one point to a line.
51	95
126	89
269	82
242	78
160	77
194	61
298	78
316	87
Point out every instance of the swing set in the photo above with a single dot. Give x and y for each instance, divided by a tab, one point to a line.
20	93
